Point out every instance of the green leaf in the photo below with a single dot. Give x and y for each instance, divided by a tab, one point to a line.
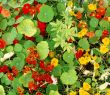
19	20
27	28
5	80
42	1
2	92
25	79
44	15
88	80
28	44
94	22
104	24
43	49
11	21
18	48
52	92
93	40
57	71
98	33
9	48
18	62
51	87
69	78
61	7
39	38
16	83
12	92
13	4
1	74
68	57
83	43
3	24
108	11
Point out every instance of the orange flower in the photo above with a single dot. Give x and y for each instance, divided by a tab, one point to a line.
79	15
5	12
90	34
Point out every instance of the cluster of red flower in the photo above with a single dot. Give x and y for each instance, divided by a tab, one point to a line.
10	73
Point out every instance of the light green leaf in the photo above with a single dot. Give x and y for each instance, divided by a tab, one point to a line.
43	49
52	92
18	48
27	28
42	1
69	78
2	92
3	24
94	22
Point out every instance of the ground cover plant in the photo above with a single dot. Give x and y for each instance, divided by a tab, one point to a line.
54	47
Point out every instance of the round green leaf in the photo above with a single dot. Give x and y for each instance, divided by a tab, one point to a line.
83	43
9	48
18	48
3	24
43	49
98	33
27	28
94	22
69	78
61	7
46	14
68	57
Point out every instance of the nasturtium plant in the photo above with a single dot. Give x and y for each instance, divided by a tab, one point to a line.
52	92
43	49
44	15
69	78
83	43
27	28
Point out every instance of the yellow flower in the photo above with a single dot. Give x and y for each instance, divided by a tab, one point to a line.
97	94
72	93
82	32
83	61
108	92
94	57
106	41
70	4
86	86
71	12
96	65
92	7
51	54
103	49
88	58
82	92
108	19
54	62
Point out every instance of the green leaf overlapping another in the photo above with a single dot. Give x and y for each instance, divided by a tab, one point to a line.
46	14
69	78
43	49
27	28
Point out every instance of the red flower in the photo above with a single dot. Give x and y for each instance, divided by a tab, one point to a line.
78	54
47	78
98	16
101	11
2	44
38	6
4	69
105	33
39	93
0	9
14	71
30	60
10	76
18	16
42	27
15	41
26	8
32	10
42	65
32	86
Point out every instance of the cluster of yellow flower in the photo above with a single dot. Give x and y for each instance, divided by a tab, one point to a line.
86	58
104	47
92	7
